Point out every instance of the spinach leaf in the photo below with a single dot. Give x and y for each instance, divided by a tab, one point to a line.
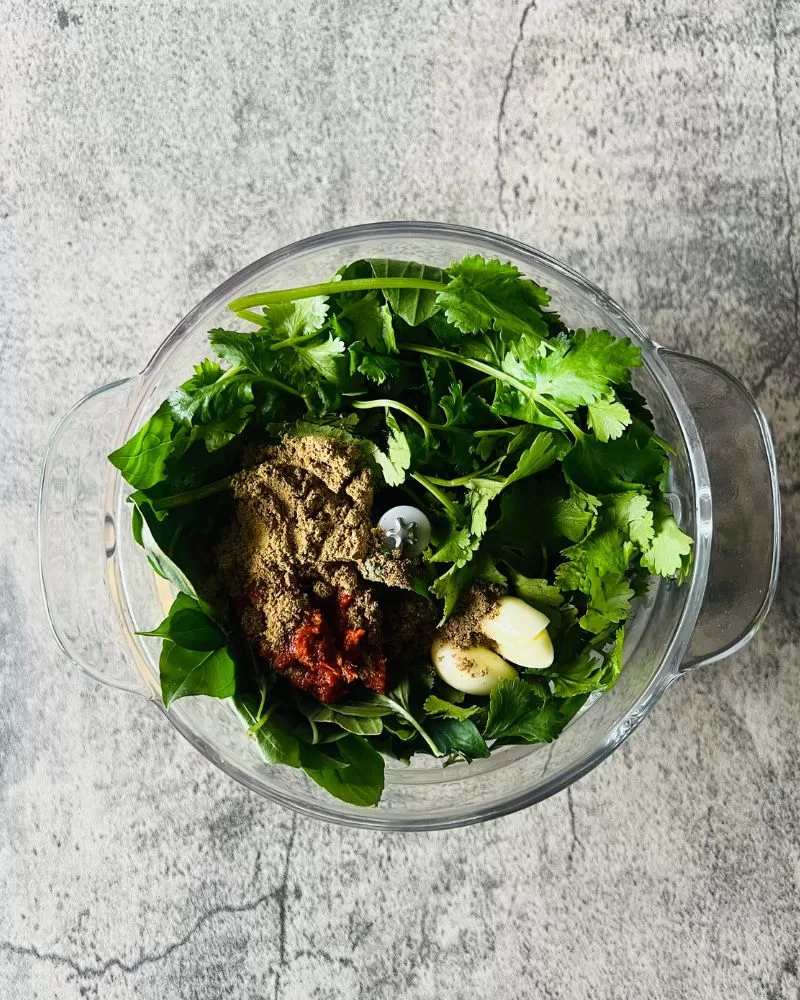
185	672
189	626
413	305
143	459
458	736
360	781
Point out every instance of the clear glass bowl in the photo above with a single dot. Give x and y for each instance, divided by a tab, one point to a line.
99	589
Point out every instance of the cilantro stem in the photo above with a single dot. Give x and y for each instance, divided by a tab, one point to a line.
293	341
501	376
332	288
452	511
190	496
494	431
252	317
393	404
465	480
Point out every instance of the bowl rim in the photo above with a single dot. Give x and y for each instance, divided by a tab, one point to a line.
668	670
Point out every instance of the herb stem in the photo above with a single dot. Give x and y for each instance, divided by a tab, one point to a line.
478	384
262	720
393	404
332	288
293	341
494	431
402	711
190	496
501	376
252	317
464	480
452	511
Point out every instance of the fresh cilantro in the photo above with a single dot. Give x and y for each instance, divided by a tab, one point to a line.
669	550
487	295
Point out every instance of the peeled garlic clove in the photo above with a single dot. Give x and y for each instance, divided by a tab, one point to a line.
474	671
535	654
513	621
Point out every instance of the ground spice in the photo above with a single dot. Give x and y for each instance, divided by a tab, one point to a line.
413	626
463	628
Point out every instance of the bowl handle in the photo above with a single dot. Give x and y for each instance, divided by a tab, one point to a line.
746	511
77	539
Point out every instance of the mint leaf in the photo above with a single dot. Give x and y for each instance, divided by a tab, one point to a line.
459	737
189	626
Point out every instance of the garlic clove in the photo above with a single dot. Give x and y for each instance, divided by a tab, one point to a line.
473	671
513	621
536	654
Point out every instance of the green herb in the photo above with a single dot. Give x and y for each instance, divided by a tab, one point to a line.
525	442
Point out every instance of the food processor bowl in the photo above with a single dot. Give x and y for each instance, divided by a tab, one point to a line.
100	591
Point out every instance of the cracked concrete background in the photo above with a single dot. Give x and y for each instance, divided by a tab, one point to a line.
150	149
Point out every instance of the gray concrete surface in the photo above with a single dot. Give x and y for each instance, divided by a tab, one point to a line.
149	149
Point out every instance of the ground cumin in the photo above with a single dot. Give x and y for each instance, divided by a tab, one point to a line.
462	629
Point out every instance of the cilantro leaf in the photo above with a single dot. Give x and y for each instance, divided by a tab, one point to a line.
598	568
608	418
485	295
371	322
296	319
395	462
520	712
216	404
631	462
669	551
591	670
536	591
578	369
438	706
630	512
